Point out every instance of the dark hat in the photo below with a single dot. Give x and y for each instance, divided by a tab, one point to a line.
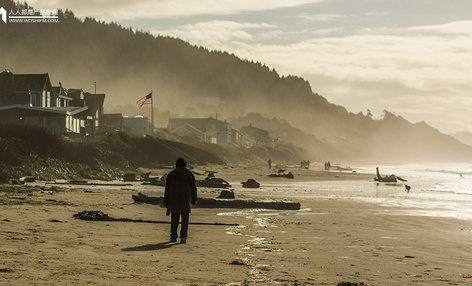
181	163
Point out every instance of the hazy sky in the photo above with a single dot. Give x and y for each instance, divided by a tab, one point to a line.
411	57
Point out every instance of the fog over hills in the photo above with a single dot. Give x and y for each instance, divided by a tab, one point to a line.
193	81
464	137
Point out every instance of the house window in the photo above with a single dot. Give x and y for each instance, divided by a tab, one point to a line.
214	140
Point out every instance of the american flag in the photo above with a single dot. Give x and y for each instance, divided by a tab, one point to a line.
145	100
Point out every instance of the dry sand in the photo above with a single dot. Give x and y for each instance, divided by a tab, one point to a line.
328	241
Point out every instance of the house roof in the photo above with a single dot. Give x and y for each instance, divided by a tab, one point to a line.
94	101
61	92
254	130
199	123
58	110
75	93
33	82
188	129
58	90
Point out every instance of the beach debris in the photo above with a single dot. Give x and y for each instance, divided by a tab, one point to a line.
143	199
22	180
289	175
16	182
226	194
158	181
251	183
133	177
101	216
238	261
93	215
222	203
129	177
28	179
212	182
86	183
78	182
328	167
146	176
389	179
352	284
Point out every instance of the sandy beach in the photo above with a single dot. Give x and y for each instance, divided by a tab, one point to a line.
328	241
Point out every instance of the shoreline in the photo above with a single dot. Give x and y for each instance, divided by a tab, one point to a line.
328	241
238	173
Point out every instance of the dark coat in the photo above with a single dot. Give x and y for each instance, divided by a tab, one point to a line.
181	191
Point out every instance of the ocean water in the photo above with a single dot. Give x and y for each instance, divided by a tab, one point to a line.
440	190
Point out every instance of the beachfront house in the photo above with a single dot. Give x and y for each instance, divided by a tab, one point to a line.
241	140
208	130
260	136
93	101
31	99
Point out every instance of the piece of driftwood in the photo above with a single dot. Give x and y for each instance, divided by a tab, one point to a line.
86	183
389	179
101	216
289	175
224	203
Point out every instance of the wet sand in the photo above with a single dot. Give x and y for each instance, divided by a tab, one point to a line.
330	240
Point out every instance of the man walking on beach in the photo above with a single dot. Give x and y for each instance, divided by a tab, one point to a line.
180	191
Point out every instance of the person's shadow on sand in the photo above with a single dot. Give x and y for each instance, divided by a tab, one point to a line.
150	247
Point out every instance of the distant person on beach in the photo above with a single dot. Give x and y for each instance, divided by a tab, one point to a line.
407	189
327	165
270	163
180	193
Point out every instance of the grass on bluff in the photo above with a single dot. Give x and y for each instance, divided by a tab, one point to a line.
32	151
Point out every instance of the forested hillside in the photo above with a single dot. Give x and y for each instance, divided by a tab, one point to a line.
193	81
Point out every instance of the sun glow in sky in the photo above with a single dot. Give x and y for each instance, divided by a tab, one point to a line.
411	57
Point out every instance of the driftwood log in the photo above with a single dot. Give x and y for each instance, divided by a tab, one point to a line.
225	203
101	216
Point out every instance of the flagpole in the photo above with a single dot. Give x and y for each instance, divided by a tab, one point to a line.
152	115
